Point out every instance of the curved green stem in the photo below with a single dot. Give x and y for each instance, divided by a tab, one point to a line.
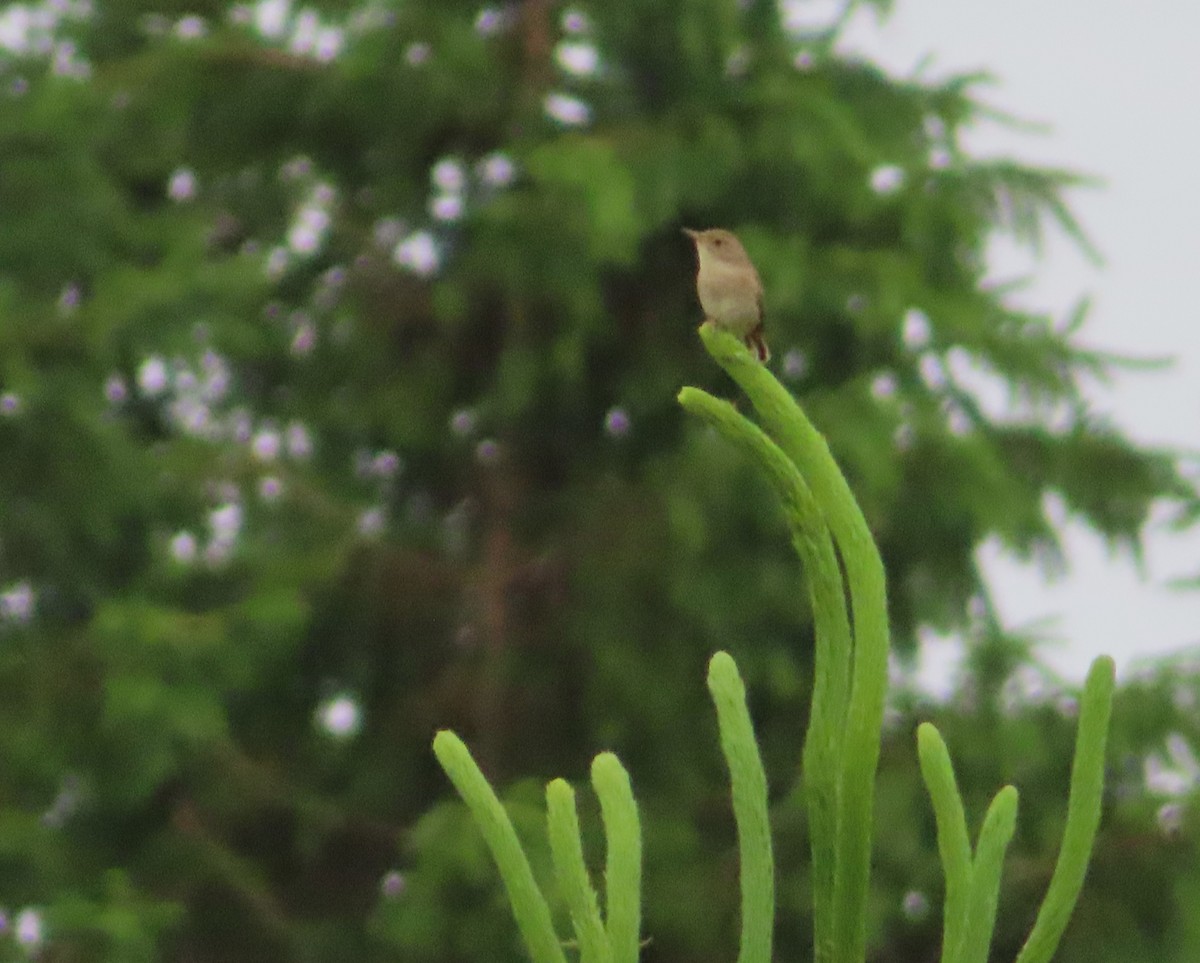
623	857
827	720
1083	815
529	906
994	837
749	785
803	444
954	845
566	848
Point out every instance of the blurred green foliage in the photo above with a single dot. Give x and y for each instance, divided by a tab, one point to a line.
338	354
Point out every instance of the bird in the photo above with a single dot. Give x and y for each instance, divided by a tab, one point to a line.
729	288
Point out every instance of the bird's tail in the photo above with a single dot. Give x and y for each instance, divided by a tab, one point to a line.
758	342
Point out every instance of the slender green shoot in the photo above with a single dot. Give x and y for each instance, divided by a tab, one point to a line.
803	444
994	837
954	845
827	721
749	785
623	857
566	847
529	906
1083	815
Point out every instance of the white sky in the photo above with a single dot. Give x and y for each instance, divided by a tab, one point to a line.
1118	84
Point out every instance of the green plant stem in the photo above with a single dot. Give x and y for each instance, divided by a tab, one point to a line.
529	906
823	743
994	837
566	848
954	845
623	857
1083	815
749	786
803	444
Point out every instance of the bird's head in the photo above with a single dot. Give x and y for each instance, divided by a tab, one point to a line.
719	245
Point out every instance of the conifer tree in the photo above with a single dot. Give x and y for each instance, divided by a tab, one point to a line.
338	355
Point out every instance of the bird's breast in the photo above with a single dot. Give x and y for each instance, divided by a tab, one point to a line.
729	295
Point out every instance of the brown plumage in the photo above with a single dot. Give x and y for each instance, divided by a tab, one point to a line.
729	288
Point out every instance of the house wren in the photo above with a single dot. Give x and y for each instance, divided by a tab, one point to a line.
730	292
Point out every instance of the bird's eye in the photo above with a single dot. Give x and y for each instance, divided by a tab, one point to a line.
718	242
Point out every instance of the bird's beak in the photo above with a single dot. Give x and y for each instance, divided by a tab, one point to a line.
690	233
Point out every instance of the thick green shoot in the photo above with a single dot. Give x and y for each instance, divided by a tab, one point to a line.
954	845
827	721
785	421
749	785
566	847
1083	815
973	884
529	906
623	857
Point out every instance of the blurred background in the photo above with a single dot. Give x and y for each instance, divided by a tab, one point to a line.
1066	77
338	354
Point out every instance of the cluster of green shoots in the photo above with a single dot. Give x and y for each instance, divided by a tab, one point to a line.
840	754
